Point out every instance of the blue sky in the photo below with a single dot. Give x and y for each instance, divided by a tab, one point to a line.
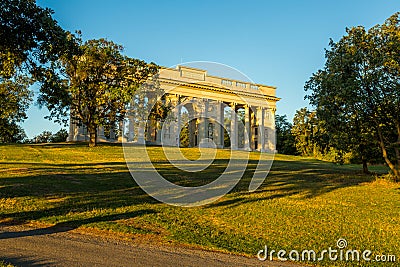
279	43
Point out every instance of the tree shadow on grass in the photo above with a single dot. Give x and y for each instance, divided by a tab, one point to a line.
80	187
304	179
28	261
70	225
56	191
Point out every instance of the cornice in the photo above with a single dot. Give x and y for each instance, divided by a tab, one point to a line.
219	88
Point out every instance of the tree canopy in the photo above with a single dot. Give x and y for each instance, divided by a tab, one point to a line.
95	85
31	41
30	38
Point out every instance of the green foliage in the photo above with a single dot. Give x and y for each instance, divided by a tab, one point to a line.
15	98
29	37
184	140
285	141
184	136
44	137
357	94
227	139
160	110
49	137
304	131
96	84
10	132
101	83
31	41
60	136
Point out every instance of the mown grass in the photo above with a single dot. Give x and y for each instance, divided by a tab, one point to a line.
303	203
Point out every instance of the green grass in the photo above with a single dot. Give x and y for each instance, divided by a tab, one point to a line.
303	203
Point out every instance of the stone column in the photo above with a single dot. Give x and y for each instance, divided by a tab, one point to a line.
261	129
112	134
100	134
219	125
234	128
80	136
141	123
71	135
141	130
205	119
121	137
247	125
203	127
131	134
269	123
273	134
179	122
267	129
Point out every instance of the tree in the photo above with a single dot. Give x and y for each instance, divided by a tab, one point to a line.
357	94
58	137
11	132
304	130
44	137
95	85
30	43
285	142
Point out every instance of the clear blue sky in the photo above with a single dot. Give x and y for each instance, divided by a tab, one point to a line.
279	43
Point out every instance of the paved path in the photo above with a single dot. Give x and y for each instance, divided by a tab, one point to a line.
26	246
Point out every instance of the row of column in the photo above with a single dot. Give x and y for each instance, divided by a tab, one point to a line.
205	127
259	129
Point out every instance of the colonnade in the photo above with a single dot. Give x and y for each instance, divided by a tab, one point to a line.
248	127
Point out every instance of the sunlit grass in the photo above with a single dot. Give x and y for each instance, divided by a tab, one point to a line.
303	203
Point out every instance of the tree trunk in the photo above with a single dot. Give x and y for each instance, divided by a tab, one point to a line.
394	168
365	165
92	135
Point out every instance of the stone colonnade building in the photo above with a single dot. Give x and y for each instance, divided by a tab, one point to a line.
210	107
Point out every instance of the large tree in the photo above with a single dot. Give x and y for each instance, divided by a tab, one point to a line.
95	85
357	93
31	41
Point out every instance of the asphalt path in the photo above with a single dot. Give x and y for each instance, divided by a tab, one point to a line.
50	246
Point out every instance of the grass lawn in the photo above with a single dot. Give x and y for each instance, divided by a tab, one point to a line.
303	203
